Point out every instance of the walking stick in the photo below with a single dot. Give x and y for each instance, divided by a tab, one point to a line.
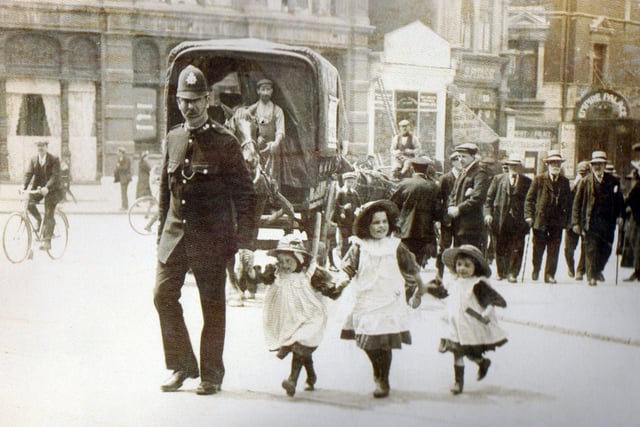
524	258
618	255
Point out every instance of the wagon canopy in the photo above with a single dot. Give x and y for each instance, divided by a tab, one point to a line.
306	87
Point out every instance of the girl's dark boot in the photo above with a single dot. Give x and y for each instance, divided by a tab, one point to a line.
483	368
382	383
290	383
311	374
459	384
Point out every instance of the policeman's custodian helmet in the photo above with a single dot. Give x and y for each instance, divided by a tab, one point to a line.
191	83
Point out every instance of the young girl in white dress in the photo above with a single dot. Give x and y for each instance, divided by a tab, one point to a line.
472	323
378	267
294	315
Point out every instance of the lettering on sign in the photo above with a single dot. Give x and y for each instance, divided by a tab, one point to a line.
602	104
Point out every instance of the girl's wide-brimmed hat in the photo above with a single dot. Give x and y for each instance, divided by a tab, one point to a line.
363	212
291	244
449	258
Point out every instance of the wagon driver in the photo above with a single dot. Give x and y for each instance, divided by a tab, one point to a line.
206	208
270	120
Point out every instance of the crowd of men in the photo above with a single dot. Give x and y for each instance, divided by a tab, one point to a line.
501	213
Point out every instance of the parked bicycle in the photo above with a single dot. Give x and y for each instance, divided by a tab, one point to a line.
21	232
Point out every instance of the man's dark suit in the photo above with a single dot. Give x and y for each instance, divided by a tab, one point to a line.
548	205
469	194
596	209
206	207
505	203
47	175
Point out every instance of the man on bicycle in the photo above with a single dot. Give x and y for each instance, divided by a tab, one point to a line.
43	173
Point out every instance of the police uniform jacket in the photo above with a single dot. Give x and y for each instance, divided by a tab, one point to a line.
611	205
206	195
47	175
469	194
547	204
504	200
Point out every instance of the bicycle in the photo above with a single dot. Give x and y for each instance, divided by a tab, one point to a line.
143	214
19	232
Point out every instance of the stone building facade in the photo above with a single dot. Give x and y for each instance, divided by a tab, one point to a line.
88	75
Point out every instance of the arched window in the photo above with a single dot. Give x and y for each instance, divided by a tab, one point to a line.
33	118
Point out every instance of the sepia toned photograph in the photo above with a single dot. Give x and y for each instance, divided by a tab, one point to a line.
319	213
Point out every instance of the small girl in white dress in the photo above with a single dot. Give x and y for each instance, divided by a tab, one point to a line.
473	326
294	315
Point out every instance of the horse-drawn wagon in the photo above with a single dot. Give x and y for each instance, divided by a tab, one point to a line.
307	88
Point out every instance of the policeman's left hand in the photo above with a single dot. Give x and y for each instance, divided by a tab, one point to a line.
44	191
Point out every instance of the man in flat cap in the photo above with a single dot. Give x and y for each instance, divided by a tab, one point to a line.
404	147
206	214
465	206
122	174
271	129
447	182
504	214
547	210
597	208
43	173
347	201
418	199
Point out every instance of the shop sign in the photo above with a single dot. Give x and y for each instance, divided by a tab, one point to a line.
602	104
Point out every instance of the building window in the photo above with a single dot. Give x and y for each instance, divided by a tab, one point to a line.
466	24
598	64
33	117
484	21
523	80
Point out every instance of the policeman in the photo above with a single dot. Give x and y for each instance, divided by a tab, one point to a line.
206	208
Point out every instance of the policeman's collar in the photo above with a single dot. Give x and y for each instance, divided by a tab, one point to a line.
204	127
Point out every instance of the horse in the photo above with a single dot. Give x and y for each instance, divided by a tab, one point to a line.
244	127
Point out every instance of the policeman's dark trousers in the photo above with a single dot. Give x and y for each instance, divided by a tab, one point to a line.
509	248
49	209
210	279
571	241
550	240
597	251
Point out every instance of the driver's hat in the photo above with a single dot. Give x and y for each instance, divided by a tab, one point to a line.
192	83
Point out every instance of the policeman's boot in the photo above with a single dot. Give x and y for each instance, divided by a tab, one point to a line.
290	383
459	376
311	374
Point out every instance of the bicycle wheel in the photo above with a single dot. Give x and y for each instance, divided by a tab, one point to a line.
60	236
143	215
16	238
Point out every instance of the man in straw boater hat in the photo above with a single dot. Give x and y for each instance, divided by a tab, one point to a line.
547	210
206	205
43	173
467	199
504	214
598	207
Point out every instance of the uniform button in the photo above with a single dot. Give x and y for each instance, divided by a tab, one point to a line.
184	221
183	202
186	160
184	181
206	171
